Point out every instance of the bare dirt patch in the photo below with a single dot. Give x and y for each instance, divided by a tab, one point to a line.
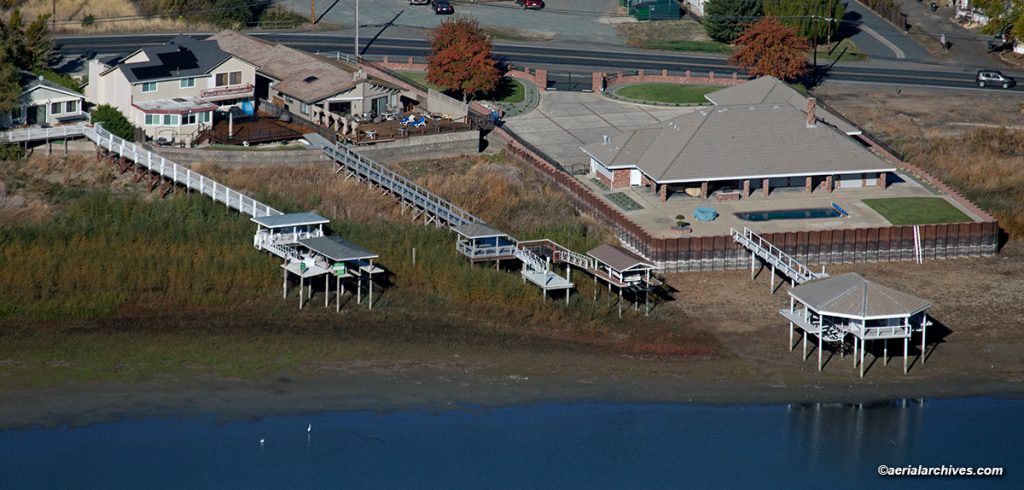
640	34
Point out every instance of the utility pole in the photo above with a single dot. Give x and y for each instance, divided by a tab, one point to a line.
356	47
53	18
312	11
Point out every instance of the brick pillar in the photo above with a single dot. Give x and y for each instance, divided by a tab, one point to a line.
640	73
704	190
734	78
828	183
597	82
764	187
746	188
687	73
664	72
810	184
542	79
711	76
385	60
883	180
664	192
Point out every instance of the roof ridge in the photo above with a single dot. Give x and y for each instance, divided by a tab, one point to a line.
686	143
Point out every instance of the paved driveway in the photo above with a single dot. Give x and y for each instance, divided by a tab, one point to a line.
561	20
565	121
880	39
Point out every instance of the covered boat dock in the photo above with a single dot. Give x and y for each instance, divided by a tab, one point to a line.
331	255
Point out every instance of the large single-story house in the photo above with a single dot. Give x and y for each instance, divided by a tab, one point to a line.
309	86
172	90
44	103
766	144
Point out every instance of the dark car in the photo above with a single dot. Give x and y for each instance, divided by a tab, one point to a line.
530	4
442	7
993	78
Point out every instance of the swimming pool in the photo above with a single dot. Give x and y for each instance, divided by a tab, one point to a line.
808	213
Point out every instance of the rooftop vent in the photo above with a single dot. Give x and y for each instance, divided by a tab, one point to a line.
310	79
751	108
606	139
179	99
723	109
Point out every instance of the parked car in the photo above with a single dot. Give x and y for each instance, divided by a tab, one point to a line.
442	7
992	77
530	4
418	2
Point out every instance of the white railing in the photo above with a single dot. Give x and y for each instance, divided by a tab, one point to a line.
532	260
401	186
579	260
776	257
465	247
36	134
179	174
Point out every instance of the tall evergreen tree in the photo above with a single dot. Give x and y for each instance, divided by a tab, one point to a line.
725	20
808	17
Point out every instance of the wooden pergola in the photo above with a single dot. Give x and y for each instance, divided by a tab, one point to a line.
835	307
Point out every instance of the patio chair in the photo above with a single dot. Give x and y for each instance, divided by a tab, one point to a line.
408	120
420	122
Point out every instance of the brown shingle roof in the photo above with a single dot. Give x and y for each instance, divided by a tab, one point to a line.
617	258
851	295
301	75
740	142
771	90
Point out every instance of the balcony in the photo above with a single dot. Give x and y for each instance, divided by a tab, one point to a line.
231	91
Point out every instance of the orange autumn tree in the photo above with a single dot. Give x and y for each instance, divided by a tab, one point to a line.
461	59
769	48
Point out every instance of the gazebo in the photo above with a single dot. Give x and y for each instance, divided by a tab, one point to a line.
275	232
847	304
481	243
328	255
622	269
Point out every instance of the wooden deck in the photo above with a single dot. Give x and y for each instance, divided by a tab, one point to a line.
252	131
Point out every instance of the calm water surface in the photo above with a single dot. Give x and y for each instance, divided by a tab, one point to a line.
592	445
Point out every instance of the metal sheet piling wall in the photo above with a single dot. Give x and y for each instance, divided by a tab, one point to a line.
818	247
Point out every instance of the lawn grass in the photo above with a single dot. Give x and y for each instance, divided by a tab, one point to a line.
690	46
845	50
509	90
917	210
670	93
515	92
418	78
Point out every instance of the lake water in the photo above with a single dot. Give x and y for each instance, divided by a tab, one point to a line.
590	445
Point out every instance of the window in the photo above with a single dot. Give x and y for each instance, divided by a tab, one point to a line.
187	83
71	106
188	119
304	108
152	119
171	119
230	78
205	117
148	87
288	99
55	108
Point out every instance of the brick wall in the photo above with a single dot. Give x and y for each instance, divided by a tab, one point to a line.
620	178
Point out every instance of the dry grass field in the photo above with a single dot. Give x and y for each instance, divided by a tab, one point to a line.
108	15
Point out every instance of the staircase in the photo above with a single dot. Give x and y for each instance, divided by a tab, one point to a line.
774	257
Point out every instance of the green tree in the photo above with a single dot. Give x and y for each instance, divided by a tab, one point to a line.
461	58
771	48
725	20
28	47
812	19
113	121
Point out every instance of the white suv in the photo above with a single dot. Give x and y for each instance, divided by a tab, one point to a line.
992	77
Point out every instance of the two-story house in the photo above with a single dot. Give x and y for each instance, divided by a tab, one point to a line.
172	90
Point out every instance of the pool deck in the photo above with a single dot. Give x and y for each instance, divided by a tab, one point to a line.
658	217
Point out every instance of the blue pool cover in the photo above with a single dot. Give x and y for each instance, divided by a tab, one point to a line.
705	214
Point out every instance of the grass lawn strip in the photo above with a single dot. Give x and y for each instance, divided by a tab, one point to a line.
917	210
670	93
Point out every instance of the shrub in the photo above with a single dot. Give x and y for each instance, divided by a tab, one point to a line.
113	121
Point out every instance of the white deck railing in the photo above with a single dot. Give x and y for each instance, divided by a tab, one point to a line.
36	134
178	174
774	256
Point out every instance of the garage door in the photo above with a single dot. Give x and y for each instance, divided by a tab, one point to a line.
850	181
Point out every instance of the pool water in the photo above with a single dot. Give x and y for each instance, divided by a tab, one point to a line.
808	213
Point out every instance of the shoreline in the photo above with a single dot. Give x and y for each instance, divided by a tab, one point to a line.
433	389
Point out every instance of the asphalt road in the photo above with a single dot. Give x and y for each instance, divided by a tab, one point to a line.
560	59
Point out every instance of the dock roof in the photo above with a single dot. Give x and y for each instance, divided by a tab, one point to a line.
477	230
337	249
289	220
850	295
618	259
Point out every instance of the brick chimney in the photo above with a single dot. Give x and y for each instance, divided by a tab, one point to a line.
811	118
